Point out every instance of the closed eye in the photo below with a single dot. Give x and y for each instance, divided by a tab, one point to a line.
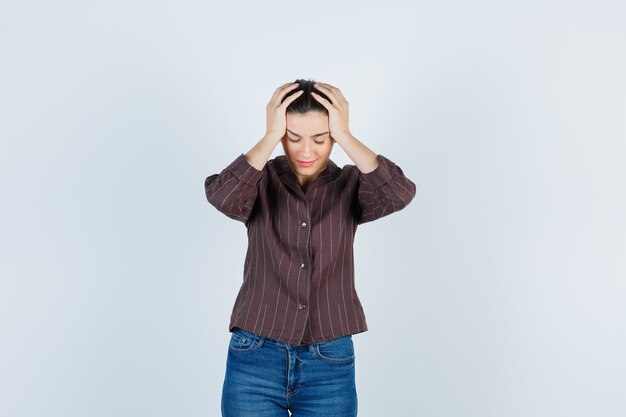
298	140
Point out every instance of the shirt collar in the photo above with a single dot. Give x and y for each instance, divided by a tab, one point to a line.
283	169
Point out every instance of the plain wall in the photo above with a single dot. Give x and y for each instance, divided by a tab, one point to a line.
118	277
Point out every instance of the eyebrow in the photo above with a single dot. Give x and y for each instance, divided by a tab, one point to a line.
315	135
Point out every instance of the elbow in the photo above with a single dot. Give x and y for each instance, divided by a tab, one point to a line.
208	186
406	193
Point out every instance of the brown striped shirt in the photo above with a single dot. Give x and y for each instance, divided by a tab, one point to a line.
298	279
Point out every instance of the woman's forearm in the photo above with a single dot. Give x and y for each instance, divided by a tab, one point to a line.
364	158
261	152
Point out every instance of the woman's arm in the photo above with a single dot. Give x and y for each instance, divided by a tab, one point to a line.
276	125
261	152
382	191
234	190
382	186
364	158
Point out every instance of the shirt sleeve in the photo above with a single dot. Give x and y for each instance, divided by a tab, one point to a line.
234	190
383	191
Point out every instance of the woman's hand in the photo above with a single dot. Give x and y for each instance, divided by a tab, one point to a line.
338	117
364	158
276	117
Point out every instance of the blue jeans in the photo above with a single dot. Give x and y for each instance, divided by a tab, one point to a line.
266	377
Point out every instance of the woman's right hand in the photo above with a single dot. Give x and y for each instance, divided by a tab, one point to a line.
276	111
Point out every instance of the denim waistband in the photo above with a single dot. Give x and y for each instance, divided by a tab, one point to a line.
264	339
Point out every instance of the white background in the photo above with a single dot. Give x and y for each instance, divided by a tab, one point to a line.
507	290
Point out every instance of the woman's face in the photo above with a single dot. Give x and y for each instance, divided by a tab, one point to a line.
307	139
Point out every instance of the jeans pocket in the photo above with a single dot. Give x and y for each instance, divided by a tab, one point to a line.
243	341
340	350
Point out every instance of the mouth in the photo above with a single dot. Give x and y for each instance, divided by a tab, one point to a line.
306	163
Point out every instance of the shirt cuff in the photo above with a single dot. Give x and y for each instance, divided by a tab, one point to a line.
245	172
381	175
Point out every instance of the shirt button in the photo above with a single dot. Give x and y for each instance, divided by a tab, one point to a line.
301	306
302	266
303	224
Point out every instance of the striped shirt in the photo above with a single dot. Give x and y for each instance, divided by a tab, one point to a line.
298	280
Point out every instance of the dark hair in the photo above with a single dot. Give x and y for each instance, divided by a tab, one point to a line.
306	102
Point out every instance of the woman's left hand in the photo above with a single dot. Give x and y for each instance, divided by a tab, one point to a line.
337	110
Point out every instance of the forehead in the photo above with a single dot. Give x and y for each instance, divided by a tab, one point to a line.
307	123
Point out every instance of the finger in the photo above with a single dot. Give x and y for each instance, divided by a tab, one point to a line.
322	100
291	98
286	91
327	87
283	87
280	93
287	85
329	93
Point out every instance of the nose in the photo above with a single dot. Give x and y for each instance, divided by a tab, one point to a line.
307	149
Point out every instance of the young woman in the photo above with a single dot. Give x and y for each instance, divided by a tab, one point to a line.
292	323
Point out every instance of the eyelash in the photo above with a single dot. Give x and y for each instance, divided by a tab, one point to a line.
295	141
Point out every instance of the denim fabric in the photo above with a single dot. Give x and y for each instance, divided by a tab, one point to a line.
269	378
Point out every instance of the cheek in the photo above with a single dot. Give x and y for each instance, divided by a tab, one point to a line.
290	148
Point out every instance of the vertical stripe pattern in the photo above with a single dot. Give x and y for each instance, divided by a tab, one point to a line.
298	280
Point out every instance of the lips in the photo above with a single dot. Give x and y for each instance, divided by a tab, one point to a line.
306	163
